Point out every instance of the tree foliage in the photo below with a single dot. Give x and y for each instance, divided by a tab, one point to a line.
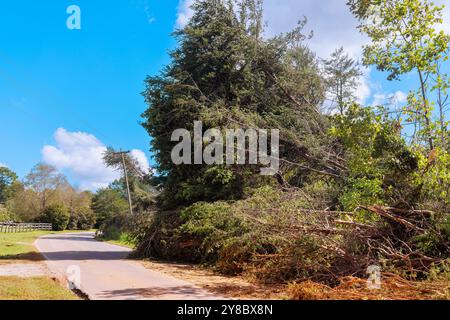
7	180
108	203
404	39
226	75
45	180
341	75
57	215
351	190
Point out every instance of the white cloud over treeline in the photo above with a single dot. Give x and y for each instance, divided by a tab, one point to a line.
80	154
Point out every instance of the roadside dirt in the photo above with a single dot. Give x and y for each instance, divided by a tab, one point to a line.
23	270
393	287
230	287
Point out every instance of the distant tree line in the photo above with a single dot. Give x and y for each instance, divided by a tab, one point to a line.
45	195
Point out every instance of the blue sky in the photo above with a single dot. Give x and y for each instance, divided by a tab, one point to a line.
85	80
66	94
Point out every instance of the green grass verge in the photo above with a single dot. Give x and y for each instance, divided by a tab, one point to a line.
38	288
19	246
123	240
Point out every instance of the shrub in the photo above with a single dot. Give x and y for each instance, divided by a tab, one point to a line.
5	215
362	191
57	215
210	225
433	177
435	241
82	218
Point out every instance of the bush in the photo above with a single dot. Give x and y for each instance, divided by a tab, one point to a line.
81	219
5	214
239	236
112	228
111	232
361	192
123	229
274	237
57	215
210	225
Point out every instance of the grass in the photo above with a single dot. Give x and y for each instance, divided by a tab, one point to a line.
19	246
123	240
38	288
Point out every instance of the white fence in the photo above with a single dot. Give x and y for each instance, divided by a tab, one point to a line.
11	227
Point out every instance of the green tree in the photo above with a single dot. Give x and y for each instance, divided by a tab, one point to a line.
57	215
226	75
114	160
5	215
380	164
45	180
405	39
140	182
7	180
342	75
108	203
442	84
81	218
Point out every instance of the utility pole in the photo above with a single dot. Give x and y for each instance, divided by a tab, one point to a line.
122	154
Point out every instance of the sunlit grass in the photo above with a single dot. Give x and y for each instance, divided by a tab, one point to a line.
123	240
19	246
38	288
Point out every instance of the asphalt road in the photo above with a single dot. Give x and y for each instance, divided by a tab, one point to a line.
105	274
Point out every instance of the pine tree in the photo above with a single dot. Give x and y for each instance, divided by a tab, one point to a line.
226	75
342	75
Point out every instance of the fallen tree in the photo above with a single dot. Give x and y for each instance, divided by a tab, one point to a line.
276	241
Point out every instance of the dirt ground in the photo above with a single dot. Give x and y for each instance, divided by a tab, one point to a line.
392	288
226	286
23	270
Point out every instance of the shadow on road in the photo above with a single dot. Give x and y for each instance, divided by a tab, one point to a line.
71	238
85	255
28	256
158	292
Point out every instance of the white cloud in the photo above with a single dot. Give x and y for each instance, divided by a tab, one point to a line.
379	99
445	15
81	155
395	99
142	160
400	96
331	21
184	12
363	91
2	165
